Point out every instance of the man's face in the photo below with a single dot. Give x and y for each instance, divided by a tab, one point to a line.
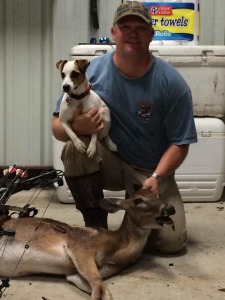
132	35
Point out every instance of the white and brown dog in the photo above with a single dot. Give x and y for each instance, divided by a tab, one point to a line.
78	90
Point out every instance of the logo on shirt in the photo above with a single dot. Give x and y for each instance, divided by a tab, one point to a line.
143	112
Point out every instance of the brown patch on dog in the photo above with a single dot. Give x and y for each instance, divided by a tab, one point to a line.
78	73
81	65
60	64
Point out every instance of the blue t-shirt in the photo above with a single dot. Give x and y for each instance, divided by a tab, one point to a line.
148	113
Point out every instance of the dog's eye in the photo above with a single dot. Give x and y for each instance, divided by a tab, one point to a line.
74	74
63	75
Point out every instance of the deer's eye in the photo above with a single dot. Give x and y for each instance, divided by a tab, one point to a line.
138	201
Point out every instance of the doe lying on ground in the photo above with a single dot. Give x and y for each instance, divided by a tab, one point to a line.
85	255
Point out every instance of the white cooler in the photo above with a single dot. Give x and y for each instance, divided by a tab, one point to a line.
201	177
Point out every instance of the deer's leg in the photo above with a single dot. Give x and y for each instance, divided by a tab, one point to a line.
90	279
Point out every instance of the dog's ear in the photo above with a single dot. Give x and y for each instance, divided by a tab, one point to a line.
60	64
82	64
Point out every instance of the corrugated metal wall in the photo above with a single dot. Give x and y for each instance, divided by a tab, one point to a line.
26	81
34	34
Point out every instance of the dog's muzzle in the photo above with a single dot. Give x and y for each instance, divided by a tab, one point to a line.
66	88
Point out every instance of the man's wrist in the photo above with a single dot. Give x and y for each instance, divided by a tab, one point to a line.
156	176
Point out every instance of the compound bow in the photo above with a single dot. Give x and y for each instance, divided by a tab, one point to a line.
13	181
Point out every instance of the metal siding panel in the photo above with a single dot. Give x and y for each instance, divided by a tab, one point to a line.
23	146
27	98
206	23
2	82
212	22
47	82
10	80
106	11
219	23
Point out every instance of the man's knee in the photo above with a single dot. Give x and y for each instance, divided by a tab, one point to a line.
76	163
173	246
167	241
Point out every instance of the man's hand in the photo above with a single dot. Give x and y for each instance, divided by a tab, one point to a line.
86	123
152	184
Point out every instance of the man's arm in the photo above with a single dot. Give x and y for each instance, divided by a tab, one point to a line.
82	124
170	161
58	130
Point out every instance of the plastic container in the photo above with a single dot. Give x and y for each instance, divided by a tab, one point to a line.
201	178
203	67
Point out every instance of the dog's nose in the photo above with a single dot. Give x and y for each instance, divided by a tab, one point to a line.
66	88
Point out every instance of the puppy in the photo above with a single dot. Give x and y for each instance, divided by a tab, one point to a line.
78	90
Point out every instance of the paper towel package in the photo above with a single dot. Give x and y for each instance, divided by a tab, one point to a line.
175	22
201	177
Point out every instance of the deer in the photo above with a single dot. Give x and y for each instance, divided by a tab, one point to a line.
84	255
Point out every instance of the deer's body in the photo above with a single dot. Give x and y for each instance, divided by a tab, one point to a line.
85	255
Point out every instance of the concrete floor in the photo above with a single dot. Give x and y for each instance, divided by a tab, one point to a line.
199	273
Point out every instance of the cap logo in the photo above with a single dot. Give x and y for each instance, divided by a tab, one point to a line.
132	8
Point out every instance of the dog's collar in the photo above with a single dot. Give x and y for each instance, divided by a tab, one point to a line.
79	97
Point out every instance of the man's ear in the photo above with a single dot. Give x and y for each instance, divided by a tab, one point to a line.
152	34
113	34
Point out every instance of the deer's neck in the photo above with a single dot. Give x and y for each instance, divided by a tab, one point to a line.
132	236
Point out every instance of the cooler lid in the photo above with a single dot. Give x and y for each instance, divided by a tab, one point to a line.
157	50
209	127
91	49
185	50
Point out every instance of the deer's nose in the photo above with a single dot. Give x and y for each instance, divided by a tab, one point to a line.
169	210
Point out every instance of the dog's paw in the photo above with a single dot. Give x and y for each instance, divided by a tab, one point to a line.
91	150
110	144
112	147
81	147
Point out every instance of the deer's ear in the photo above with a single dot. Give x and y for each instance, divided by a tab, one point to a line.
111	205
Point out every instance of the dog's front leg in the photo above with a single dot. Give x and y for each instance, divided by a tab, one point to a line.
110	144
79	145
92	146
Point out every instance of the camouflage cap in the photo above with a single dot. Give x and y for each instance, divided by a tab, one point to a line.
132	8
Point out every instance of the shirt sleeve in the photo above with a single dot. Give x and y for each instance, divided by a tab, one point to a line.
179	121
56	112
